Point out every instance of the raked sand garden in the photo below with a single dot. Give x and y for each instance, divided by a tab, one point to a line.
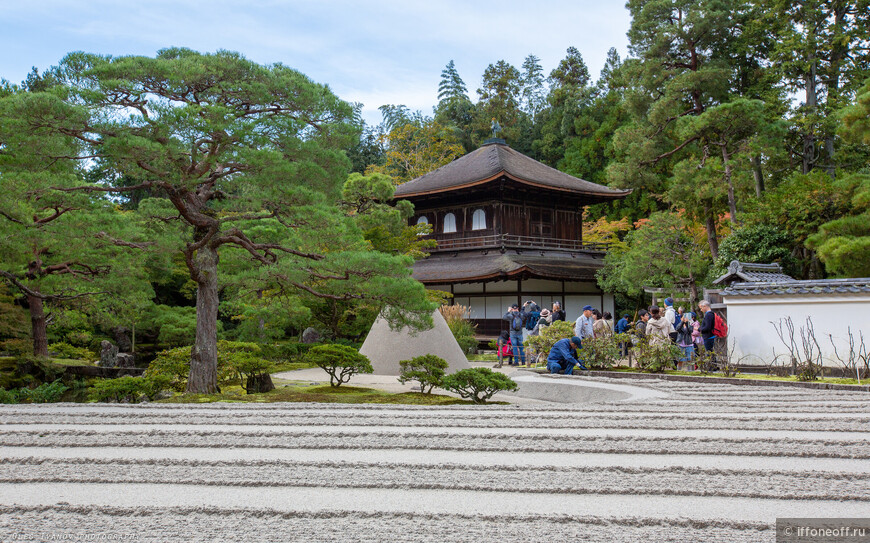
645	461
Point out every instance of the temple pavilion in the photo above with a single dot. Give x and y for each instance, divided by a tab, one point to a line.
509	229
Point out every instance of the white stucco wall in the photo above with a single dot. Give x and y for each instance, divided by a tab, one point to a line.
755	340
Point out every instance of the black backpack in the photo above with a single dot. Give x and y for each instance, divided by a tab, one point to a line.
517	323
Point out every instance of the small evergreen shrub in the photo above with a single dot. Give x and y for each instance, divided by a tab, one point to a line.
8	396
340	362
44	393
284	351
79	338
175	363
16	346
65	350
428	370
602	352
253	373
657	358
39	368
128	389
478	384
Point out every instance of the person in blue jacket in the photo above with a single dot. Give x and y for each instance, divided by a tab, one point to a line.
624	327
563	356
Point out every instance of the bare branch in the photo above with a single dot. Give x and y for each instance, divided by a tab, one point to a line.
58	211
669	153
324	295
122	243
97	188
13	280
11	218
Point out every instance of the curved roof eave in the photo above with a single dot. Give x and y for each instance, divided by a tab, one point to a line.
602	195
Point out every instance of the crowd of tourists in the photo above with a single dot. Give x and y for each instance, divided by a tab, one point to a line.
654	325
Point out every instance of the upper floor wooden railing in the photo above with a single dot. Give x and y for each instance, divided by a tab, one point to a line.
510	241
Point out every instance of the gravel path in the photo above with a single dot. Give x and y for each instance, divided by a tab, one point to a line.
681	462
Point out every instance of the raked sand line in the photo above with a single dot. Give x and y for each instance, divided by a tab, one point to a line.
721	421
677	480
316	499
529	460
42	523
832	448
348	430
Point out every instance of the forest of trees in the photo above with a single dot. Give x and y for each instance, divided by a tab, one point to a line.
741	127
190	196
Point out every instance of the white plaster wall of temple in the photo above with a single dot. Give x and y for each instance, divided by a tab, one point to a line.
754	339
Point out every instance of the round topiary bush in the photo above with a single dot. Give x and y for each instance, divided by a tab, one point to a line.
340	362
427	369
478	384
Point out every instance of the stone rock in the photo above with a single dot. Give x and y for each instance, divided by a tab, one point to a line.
125	360
108	355
310	335
122	337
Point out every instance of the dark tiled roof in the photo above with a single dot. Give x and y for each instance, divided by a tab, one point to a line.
494	159
476	266
750	271
824	286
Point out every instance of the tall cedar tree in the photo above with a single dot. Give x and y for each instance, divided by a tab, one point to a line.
250	161
821	50
680	72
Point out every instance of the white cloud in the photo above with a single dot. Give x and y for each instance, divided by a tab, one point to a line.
386	51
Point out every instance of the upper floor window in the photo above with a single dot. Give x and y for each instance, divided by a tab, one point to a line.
449	223
423	220
478	220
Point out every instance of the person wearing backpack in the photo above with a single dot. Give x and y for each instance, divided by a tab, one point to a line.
534	313
517	321
671	317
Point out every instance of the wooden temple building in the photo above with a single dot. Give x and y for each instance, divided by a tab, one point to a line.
509	229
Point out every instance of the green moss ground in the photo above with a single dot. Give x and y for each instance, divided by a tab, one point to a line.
301	392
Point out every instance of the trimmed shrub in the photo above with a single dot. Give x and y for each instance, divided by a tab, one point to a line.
16	346
602	352
284	351
39	368
427	369
65	350
253	373
340	362
44	393
657	358
175	363
128	389
8	396
478	384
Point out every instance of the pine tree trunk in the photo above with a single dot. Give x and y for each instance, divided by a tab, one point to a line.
732	200
38	326
712	237
758	175
203	355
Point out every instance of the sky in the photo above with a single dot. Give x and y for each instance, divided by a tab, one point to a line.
375	52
